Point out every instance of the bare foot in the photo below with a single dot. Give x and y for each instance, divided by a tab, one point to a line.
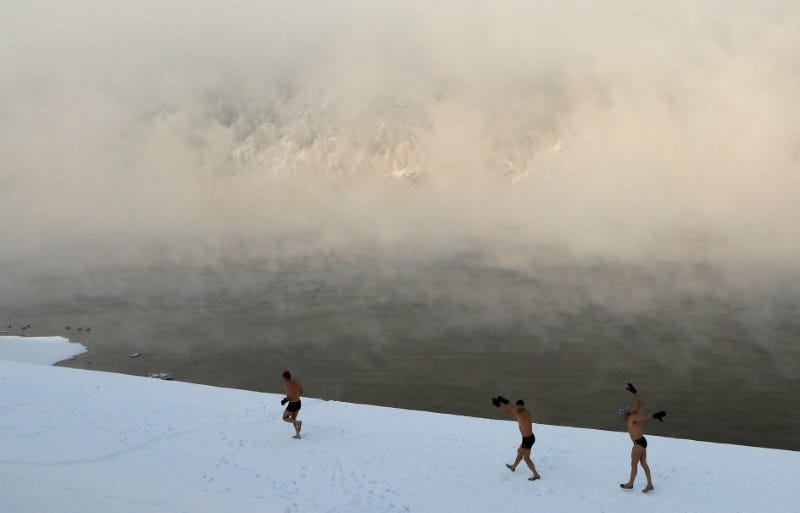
626	486
648	488
512	468
297	436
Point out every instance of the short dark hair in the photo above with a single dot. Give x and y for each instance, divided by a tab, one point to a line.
287	374
520	402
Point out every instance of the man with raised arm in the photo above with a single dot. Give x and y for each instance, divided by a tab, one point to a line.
293	390
635	421
525	422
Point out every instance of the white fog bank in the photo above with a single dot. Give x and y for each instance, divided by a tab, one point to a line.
189	130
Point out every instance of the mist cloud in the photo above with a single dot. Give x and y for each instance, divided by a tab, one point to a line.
622	130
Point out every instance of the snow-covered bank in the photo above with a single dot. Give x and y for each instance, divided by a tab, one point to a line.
40	350
83	441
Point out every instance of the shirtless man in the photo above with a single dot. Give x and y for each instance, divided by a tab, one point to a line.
636	429
525	422
293	390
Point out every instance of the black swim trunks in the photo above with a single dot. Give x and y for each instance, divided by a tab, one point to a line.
527	442
293	406
642	441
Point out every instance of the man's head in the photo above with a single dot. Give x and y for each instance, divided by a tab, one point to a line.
520	404
287	375
625	412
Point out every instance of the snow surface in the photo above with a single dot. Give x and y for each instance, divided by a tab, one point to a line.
41	350
85	441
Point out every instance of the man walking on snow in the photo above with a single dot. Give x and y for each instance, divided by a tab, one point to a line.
636	430
525	422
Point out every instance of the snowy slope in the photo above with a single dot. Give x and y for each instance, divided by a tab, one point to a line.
83	441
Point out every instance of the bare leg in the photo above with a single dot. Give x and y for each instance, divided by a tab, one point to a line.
516	461
290	416
636	454
296	425
646	468
526	454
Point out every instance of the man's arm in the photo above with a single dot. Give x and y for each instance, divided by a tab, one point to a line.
502	404
657	415
637	404
508	410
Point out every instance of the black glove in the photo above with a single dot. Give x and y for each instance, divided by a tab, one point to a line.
284	400
659	415
496	402
503	399
631	388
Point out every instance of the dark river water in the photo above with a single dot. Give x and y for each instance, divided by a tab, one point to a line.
718	350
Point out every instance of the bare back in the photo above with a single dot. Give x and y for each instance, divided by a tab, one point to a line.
525	422
293	389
